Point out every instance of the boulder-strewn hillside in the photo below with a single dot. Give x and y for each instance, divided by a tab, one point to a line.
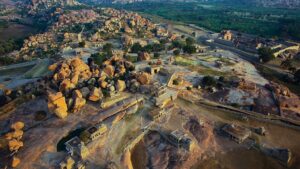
265	3
37	5
127	1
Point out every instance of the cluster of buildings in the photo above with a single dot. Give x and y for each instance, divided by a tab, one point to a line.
77	148
251	43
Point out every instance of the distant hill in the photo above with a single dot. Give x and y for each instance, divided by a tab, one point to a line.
279	3
265	3
34	6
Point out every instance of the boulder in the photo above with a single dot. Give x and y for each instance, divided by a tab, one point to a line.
14	145
103	84
85	91
143	78
78	104
143	56
18	134
75	77
15	162
128	41
17	125
78	65
63	73
109	70
96	94
66	85
122	70
120	85
7	92
57	104
9	136
76	94
60	113
53	67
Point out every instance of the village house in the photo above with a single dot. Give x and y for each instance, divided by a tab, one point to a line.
227	35
157	113
181	140
75	147
97	131
237	133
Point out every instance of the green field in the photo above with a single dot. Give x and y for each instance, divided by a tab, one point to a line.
266	22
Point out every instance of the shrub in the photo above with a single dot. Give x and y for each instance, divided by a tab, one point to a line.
98	58
190	49
190	41
136	48
176	52
156	55
209	81
175	82
266	54
81	44
178	44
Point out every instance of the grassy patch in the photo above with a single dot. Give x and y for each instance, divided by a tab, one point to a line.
183	61
208	71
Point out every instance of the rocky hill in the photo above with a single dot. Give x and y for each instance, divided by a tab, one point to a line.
265	3
38	5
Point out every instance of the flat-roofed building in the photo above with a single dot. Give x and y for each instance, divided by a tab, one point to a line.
97	131
181	140
76	147
237	133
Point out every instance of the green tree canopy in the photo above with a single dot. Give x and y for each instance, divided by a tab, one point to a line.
176	52
190	49
209	81
190	41
136	48
266	54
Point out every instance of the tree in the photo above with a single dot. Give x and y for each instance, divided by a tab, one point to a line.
178	44
136	48
190	41
107	49
163	41
156	55
266	54
158	47
208	81
190	49
81	44
98	58
175	82
176	52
